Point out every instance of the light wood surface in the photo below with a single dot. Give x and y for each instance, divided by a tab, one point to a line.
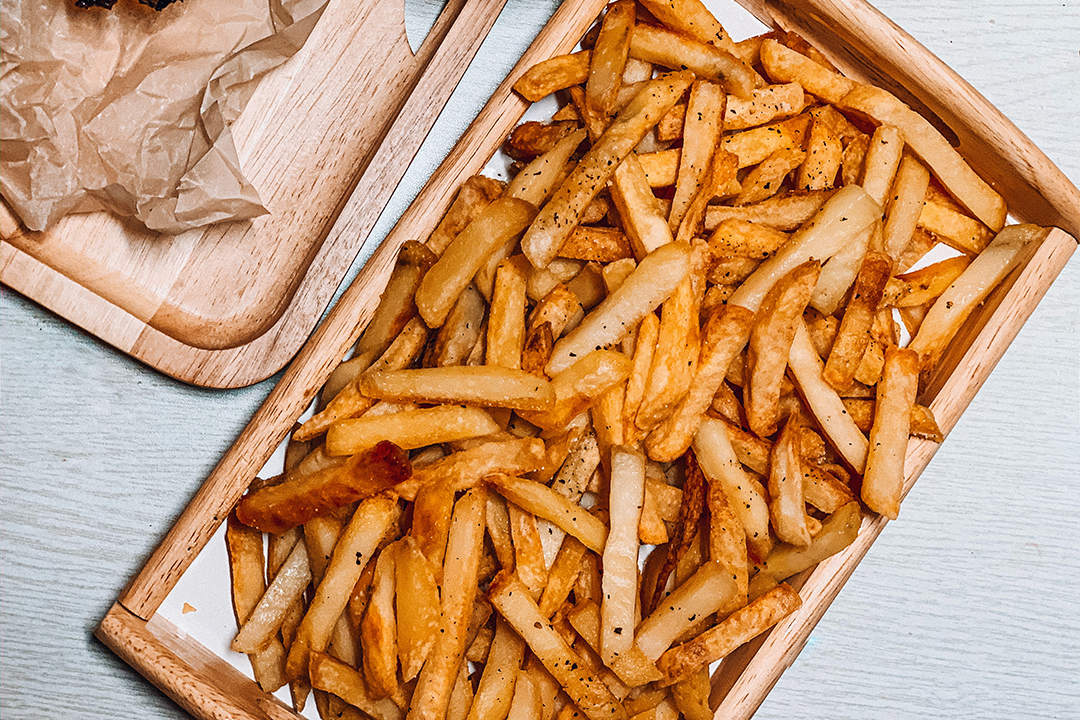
230	304
963	608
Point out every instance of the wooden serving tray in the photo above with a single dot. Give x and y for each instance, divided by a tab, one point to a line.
867	46
230	304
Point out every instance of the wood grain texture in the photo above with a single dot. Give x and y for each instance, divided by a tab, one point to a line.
964	608
229	305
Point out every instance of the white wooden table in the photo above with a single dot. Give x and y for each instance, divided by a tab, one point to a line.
966	607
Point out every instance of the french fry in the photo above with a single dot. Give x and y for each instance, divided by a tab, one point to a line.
725	334
557	219
269	613
531	139
246	570
787	507
486	385
727	539
853	335
535	182
825	405
691	696
461	332
784	212
643	218
597	244
840	219
943	217
620	552
837	532
496	690
608	59
506	317
553	74
378	630
563	575
529	562
954	306
905	204
882	159
464	469
742	238
823	490
766	104
824	153
504	218
707	591
336	677
766	179
701	133
416	605
475	194
675	359
544	502
714	453
840	271
644	349
511	598
579	386
753	146
279	507
769	344
883	482
652	282
933	149
692	18
783	65
409	429
463	550
356	546
742	625
673	50
922	286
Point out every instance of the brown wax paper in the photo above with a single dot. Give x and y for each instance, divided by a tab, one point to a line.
129	109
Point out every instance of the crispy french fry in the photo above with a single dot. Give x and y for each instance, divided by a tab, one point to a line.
416	604
701	133
824	153
882	159
840	219
853	335
784	65
511	598
279	507
486	385
692	18
742	238
463	550
769	344
837	532
673	50
609	56
766	179
475	194
787	507
544	502
620	552
369	524
288	585
825	405
765	105
409	429
905	204
464	469
496	690
954	306
557	219
753	146
841	270
529	562
557	73
883	482
707	591
942	216
933	149
784	212
336	677
742	625
675	359
378	630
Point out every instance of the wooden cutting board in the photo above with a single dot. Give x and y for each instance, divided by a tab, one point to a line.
325	140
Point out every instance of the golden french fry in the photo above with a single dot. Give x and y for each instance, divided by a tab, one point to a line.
905	204
922	286
837	532
769	344
485	385
644	219
742	625
766	104
579	386
536	181
853	335
496	689
511	598
464	469
701	133
503	219
416	604
463	550
933	149
840	219
506	317
766	179
545	502
596	244
725	334
753	146
883	482
840	271
557	73
334	676
246	571
609	56
784	65
651	283
943	217
277	508
954	306
784	212
742	238
882	159
824	403
558	218
409	429
356	546
288	585
378	630
529	562
823	490
620	553
824	153
787	507
675	359
672	50
692	18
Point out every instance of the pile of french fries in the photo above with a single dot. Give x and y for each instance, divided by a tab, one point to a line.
608	407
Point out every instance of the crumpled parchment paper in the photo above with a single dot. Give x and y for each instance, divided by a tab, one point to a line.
129	109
